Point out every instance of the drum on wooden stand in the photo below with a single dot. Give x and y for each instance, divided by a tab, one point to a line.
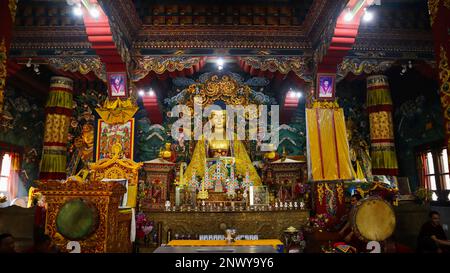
77	219
373	219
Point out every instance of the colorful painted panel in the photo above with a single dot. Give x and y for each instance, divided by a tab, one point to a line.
109	134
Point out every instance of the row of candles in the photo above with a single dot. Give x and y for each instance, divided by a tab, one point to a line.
239	207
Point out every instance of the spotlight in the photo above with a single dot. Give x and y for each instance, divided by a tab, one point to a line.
298	94
141	93
292	94
220	62
94	12
348	16
77	10
151	93
368	16
220	67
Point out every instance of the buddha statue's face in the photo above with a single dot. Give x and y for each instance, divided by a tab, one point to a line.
218	119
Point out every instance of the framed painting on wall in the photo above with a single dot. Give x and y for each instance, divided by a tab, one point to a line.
325	86
117	85
110	134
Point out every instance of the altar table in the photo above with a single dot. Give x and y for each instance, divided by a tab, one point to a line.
276	244
216	249
265	224
270	242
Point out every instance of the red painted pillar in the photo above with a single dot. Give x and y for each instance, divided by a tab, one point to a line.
7	15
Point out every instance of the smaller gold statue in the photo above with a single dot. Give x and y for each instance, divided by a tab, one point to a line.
85	143
167	153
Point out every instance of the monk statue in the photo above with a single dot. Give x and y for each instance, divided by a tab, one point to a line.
217	145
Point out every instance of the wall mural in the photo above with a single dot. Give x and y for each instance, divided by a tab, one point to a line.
418	123
81	131
417	117
24	116
357	123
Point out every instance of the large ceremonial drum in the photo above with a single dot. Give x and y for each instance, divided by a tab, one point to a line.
373	219
77	219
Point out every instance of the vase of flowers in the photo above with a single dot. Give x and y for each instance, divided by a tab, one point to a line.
143	228
318	222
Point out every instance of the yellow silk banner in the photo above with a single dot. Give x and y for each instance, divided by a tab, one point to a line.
328	151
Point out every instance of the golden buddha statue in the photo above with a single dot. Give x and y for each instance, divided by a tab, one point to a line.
218	146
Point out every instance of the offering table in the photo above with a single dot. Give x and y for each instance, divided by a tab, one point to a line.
268	224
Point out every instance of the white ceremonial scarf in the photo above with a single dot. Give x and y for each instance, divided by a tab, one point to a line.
133	225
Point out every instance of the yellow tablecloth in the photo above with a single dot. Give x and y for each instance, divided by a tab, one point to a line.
269	242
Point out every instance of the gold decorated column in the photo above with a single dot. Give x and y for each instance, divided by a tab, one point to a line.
439	11
58	112
7	15
379	106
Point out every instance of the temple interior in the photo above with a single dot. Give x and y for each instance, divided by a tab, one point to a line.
258	126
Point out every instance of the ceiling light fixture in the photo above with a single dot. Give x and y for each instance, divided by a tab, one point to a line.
220	62
368	16
77	10
348	15
94	11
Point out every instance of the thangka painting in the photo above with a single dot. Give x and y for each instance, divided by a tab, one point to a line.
110	134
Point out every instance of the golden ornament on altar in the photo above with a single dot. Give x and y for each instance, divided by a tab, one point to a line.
202	195
118	167
167	153
271	154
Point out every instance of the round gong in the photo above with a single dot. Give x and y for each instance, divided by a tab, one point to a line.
373	219
77	219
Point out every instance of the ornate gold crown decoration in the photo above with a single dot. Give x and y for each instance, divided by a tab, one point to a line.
218	88
118	111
